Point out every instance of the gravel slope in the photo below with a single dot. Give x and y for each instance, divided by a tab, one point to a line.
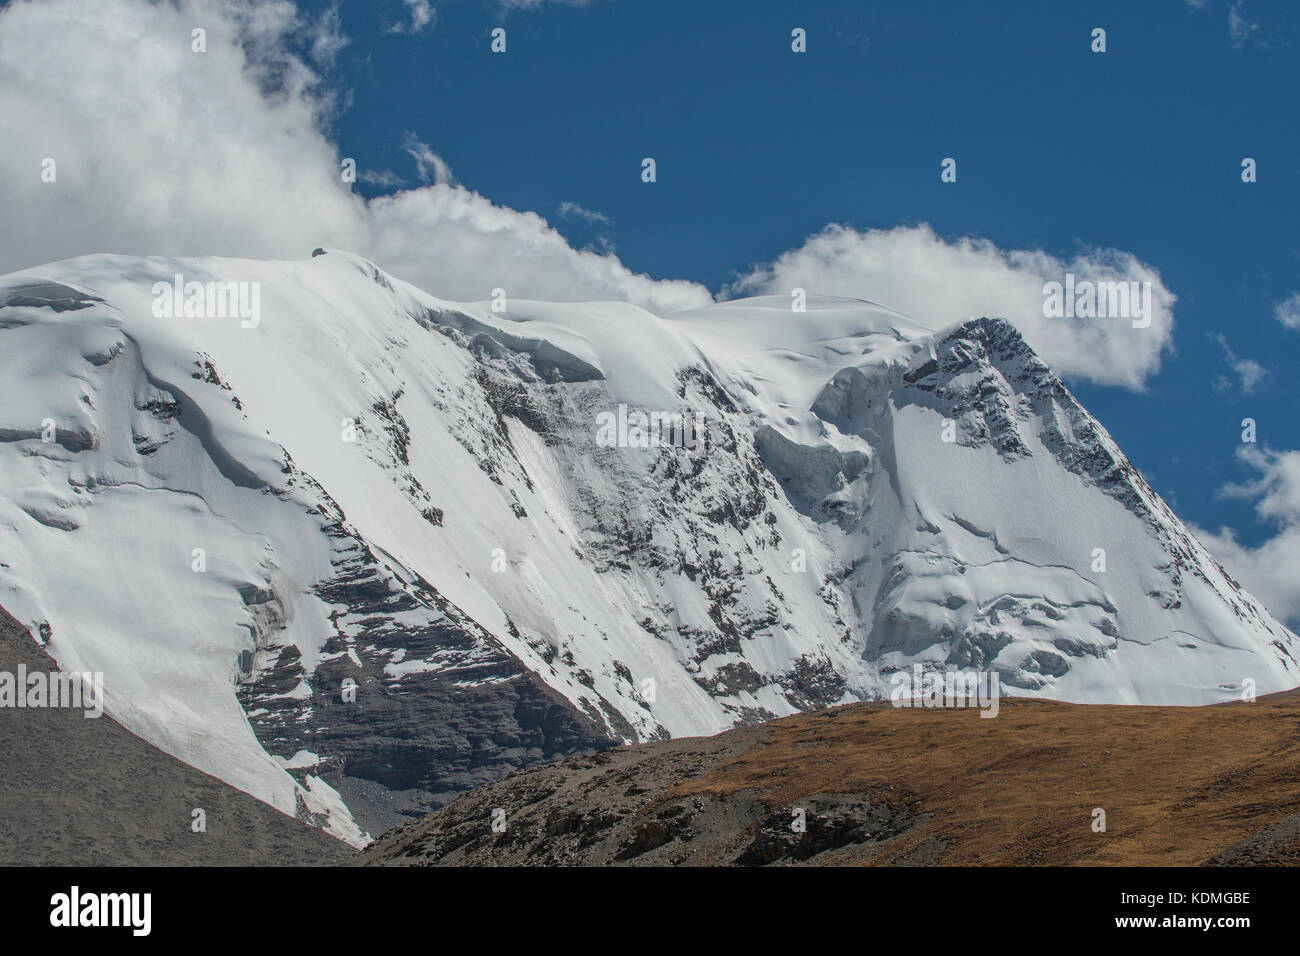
77	791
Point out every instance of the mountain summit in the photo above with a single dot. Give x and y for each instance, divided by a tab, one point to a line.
354	549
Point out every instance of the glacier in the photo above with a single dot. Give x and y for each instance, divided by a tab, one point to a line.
367	552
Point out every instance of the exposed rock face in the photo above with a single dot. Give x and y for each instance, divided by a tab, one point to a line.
405	741
391	547
78	792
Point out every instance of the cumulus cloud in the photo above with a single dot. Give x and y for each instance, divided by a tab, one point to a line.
1270	570
161	150
518	251
938	282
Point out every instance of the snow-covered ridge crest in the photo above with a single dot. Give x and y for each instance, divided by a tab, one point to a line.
233	520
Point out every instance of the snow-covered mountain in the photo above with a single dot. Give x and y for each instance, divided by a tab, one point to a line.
460	509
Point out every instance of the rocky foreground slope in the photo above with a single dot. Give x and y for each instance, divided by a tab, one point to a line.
885	787
83	791
354	549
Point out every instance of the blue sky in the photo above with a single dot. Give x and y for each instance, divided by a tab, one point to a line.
1058	148
1061	152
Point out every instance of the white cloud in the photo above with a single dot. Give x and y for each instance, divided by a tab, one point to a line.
1276	491
165	151
571	210
1240	30
1271	570
474	246
1249	372
328	37
1288	311
161	150
429	166
383	178
422	14
534	4
938	282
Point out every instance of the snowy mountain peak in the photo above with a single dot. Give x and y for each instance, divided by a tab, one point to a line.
355	549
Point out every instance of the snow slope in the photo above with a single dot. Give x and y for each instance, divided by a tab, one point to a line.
374	484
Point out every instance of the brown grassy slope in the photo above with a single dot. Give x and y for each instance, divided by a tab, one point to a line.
1179	785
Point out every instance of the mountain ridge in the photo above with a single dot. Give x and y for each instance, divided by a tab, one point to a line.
409	494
